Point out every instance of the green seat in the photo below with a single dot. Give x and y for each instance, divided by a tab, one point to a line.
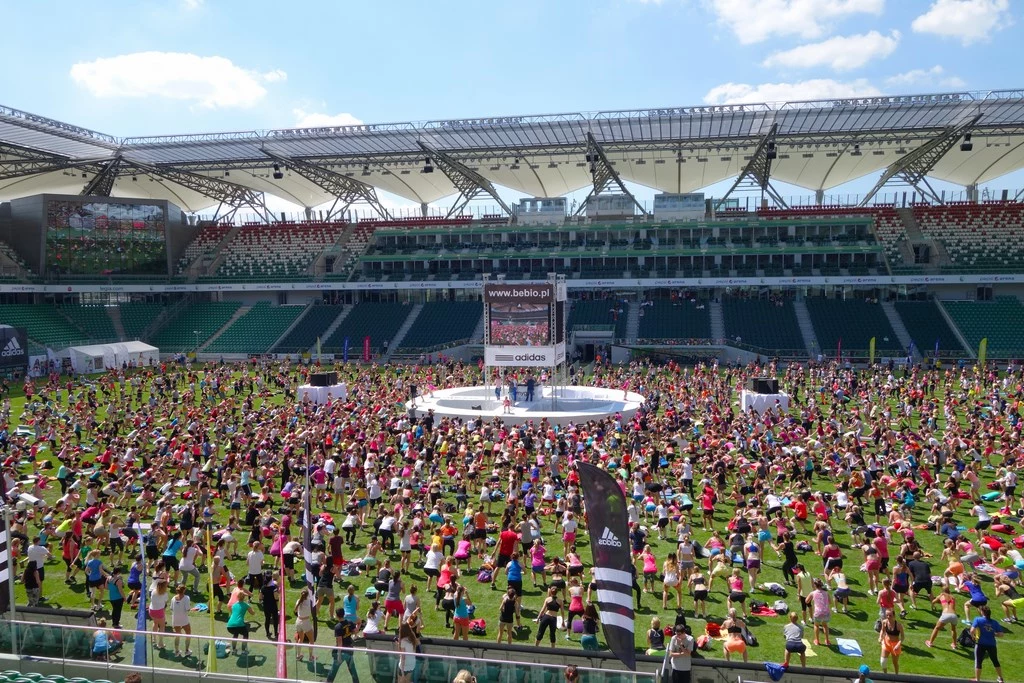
32	675
382	667
54	678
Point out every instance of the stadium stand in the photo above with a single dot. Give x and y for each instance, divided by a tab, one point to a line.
352	249
600	312
977	236
204	244
44	324
256	330
283	250
853	322
679	319
137	317
443	322
378	321
179	334
304	335
95	321
762	323
926	325
999	320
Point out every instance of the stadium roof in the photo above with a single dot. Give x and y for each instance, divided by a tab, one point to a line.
817	145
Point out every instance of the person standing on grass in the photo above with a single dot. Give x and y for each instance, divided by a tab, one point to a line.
821	611
986	630
343	633
680	655
793	633
181	605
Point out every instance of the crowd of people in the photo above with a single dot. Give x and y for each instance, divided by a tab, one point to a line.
841	503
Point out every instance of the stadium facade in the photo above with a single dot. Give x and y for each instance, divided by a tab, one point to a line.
103	230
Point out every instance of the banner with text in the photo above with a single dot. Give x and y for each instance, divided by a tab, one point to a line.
524	356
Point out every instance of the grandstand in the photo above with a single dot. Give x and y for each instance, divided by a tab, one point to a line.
633	275
850	325
762	323
442	322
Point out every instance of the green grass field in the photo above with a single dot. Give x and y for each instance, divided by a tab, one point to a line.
917	658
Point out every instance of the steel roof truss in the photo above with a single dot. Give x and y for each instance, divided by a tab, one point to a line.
468	182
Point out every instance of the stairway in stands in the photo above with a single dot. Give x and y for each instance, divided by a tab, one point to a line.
334	325
242	310
633	323
803	319
402	331
898	327
717	321
115	317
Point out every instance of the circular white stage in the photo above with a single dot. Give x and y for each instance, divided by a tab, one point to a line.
570	404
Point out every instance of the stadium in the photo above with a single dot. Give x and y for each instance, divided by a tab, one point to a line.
143	257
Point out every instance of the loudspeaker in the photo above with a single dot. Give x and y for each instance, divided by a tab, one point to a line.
763	385
323	379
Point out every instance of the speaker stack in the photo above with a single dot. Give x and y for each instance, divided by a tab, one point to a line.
323	379
763	385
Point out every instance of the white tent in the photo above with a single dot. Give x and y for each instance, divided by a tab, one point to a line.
101	357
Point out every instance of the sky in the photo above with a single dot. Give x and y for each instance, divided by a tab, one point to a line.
153	67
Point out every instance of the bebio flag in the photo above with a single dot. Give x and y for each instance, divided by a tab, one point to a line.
609	543
871	351
982	351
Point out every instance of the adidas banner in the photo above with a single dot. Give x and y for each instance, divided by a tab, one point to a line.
13	347
609	542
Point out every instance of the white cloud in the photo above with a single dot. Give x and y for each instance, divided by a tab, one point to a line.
841	53
815	89
305	119
756	20
191	4
935	76
967	20
208	81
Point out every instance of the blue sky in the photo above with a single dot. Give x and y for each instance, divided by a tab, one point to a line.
178	66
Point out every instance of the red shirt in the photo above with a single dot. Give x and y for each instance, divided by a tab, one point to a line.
507	542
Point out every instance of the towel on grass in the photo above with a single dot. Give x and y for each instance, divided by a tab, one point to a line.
849	647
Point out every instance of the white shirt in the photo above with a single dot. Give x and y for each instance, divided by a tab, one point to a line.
179	610
982	513
37	554
681	643
433	559
254	561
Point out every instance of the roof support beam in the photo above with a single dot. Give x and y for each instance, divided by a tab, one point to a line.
21	162
346	190
103	183
759	170
914	167
603	176
468	182
231	196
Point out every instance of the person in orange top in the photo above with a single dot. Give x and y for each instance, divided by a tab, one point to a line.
480	533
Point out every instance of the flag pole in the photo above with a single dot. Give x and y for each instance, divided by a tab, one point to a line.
10	577
211	661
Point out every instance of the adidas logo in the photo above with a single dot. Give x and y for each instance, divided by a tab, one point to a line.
609	539
13	348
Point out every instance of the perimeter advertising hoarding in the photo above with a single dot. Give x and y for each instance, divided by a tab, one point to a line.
13	347
524	356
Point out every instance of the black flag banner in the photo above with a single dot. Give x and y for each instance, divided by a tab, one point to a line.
607	524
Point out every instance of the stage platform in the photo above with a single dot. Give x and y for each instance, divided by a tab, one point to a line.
572	404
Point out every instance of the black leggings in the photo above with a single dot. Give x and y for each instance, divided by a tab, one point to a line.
787	570
350	535
547	622
115	611
271	620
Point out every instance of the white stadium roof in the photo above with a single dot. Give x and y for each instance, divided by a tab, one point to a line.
817	145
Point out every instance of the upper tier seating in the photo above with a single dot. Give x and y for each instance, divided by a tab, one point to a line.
284	250
303	336
204	243
137	317
44	324
256	330
443	322
977	235
853	322
1000	320
179	334
95	321
762	323
889	228
925	323
600	312
678	320
378	321
354	247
